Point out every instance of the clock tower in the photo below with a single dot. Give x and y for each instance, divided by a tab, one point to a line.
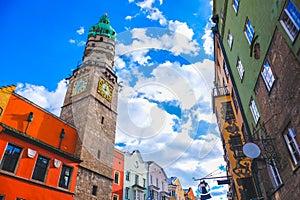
91	106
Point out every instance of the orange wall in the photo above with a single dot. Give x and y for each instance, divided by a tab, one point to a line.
190	195
13	188
45	126
118	166
21	185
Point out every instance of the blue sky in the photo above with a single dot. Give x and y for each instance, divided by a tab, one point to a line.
163	60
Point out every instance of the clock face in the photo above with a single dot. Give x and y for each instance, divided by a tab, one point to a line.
79	85
105	89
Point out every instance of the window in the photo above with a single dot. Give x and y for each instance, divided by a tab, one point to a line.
249	31
126	193
275	176
2	197
138	195
254	111
156	182
10	158
290	20
293	145
240	68
94	190
99	154
127	176
151	181
115	197
40	168
136	179
230	39
225	69
235	4
235	102
144	182
117	177
268	75
65	177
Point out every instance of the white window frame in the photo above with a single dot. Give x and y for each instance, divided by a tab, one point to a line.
235	5
267	75
276	179
293	145
250	29
240	68
226	71
230	39
127	175
254	111
127	193
289	23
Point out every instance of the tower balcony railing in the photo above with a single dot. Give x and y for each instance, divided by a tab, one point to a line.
220	91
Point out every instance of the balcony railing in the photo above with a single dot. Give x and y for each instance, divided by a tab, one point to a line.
220	91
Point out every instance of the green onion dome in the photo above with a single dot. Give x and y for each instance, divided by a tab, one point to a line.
103	27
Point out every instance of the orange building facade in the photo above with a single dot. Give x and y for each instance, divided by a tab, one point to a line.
36	151
118	175
189	194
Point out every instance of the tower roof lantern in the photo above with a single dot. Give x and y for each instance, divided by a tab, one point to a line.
103	27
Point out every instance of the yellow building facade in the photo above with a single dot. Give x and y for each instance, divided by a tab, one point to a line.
175	189
5	94
232	129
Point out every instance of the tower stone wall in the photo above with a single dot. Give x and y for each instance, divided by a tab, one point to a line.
91	106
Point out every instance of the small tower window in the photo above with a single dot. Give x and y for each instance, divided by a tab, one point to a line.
101	39
93	44
99	154
94	191
102	120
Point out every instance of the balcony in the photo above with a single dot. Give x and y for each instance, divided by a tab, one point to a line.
220	94
220	91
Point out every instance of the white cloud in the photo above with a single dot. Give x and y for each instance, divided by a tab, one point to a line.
142	121
128	17
78	43
140	57
164	40
72	41
80	31
81	43
146	4
208	40
156	14
152	12
50	100
182	28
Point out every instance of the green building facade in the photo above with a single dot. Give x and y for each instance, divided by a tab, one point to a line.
260	43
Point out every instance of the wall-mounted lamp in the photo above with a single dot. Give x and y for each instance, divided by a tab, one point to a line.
62	136
29	120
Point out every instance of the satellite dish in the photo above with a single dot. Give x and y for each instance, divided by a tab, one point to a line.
251	150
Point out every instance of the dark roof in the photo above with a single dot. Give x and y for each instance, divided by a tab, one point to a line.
171	180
